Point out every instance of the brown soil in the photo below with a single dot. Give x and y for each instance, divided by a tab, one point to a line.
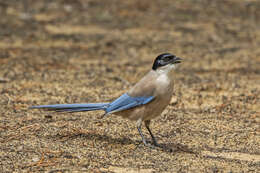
71	51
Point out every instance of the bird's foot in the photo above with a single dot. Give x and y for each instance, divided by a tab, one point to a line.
155	143
152	145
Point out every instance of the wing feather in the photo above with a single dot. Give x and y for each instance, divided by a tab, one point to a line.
126	102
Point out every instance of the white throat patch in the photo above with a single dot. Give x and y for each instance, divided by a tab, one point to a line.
166	69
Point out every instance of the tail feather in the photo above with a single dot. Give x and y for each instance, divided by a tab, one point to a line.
72	107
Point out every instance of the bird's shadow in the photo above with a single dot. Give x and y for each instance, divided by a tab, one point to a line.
169	148
176	148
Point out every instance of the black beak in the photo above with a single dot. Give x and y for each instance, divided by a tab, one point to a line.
176	60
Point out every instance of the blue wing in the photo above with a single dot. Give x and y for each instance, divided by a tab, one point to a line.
126	102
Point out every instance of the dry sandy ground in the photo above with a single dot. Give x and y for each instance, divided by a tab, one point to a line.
68	51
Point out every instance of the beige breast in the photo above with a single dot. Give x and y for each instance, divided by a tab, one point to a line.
153	84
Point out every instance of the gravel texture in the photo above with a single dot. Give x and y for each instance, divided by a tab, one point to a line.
73	51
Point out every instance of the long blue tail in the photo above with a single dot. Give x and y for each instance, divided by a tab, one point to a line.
123	102
72	107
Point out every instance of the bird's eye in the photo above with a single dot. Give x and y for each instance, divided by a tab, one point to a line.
163	61
167	59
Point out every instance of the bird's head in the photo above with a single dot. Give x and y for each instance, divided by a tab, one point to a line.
166	62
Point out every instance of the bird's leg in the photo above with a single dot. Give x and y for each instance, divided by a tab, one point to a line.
139	127
147	124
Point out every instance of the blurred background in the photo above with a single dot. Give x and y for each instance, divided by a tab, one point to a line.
68	51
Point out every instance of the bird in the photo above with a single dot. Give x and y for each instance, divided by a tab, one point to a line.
143	102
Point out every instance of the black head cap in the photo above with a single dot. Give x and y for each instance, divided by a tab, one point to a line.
164	59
